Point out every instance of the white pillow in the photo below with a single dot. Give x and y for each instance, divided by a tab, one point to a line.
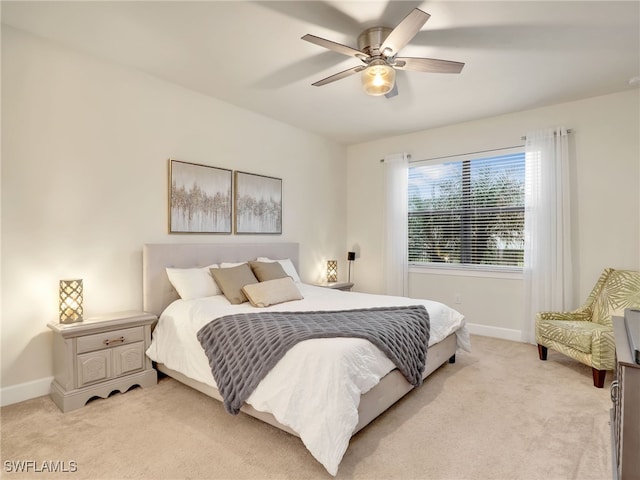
287	265
193	283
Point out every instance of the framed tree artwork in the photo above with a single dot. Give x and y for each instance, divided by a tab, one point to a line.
199	198
258	204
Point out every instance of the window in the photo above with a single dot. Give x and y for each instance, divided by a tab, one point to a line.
468	210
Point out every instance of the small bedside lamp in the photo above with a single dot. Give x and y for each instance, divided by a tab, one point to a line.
351	256
70	301
332	271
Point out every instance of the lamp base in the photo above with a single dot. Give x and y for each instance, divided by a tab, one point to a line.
71	319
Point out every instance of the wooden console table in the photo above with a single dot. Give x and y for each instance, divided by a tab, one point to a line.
625	414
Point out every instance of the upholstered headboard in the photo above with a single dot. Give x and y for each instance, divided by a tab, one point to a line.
158	292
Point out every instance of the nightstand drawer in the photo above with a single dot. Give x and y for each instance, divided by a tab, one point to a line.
111	339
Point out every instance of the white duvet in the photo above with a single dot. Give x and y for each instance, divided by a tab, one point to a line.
341	368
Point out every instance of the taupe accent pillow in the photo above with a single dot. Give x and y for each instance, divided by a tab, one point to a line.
267	270
232	279
272	292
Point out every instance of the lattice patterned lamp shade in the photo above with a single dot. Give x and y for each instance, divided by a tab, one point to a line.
70	301
332	270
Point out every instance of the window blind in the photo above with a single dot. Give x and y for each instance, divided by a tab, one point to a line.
467	210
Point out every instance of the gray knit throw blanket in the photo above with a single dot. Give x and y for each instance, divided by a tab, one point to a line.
243	348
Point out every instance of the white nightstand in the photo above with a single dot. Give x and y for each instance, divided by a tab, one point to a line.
99	355
344	286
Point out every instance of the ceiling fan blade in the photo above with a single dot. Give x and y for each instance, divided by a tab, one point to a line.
394	11
404	31
429	65
339	76
298	70
393	92
336	47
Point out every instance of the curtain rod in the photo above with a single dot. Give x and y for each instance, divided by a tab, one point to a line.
524	137
459	154
569	130
408	158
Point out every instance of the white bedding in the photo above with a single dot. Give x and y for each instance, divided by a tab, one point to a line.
345	367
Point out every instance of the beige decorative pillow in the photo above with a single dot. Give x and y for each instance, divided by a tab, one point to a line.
287	264
231	280
267	270
272	292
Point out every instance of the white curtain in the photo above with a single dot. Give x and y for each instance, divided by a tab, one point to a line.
395	194
547	246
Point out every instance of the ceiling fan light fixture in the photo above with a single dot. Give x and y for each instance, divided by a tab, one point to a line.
378	78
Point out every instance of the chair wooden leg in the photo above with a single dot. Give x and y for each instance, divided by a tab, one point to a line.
452	358
542	352
598	377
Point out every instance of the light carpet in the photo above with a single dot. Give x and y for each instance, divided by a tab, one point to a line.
497	413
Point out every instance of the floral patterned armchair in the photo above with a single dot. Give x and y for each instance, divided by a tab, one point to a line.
586	334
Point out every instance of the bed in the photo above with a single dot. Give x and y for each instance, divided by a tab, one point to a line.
176	352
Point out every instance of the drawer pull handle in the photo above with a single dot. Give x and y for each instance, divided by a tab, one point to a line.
614	391
108	342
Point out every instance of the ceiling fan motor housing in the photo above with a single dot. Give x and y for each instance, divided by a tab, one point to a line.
371	40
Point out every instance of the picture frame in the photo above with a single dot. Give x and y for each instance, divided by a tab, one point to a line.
257	204
200	198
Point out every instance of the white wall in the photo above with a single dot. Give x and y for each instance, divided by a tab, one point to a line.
605	211
84	186
85	145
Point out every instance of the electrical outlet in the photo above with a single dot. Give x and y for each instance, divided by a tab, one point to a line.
458	299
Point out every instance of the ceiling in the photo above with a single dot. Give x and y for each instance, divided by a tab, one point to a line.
519	55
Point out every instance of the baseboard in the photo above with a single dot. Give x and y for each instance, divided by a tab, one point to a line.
495	332
25	391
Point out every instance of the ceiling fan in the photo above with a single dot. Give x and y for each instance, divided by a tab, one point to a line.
378	50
